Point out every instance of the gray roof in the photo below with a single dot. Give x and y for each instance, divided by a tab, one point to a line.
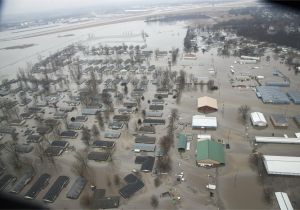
294	95
270	94
279	120
75	125
21	183
144	147
145	139
147	129
153	114
77	188
98	156
88	111
156	107
112	135
154	121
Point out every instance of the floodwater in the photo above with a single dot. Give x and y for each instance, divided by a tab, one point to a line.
163	36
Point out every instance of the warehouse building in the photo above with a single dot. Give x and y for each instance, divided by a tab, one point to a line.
282	165
203	122
271	94
207	104
294	95
209	153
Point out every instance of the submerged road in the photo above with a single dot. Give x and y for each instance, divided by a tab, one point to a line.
192	8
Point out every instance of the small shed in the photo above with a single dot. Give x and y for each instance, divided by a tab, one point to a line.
181	142
207	104
258	119
279	120
209	153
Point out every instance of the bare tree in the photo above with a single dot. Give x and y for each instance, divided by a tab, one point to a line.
163	163
80	166
95	131
154	201
116	179
100	120
86	136
243	111
157	182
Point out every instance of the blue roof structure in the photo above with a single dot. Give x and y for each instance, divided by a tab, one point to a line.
273	95
294	96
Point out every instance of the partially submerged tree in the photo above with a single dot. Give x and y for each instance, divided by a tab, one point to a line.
86	136
244	111
154	201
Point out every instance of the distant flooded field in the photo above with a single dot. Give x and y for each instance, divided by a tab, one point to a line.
163	36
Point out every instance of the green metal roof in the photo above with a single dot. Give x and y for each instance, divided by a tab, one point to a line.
181	141
209	149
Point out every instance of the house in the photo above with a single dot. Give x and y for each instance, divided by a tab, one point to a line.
51	122
130	104
279	120
75	126
103	144
69	134
54	151
100	201
60	143
134	184
156	107
146	161
81	118
138	147
60	115
77	188
203	122
145	139
116	125
157	101
22	182
147	130
55	189
125	110
258	119
181	142
209	153
112	135
42	130
153	114
98	156
89	111
150	121
121	118
6	180
38	186
207	104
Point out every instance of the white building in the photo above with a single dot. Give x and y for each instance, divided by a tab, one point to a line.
203	122
283	201
282	165
258	119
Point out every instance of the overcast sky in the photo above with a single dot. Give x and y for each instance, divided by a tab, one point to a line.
31	6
